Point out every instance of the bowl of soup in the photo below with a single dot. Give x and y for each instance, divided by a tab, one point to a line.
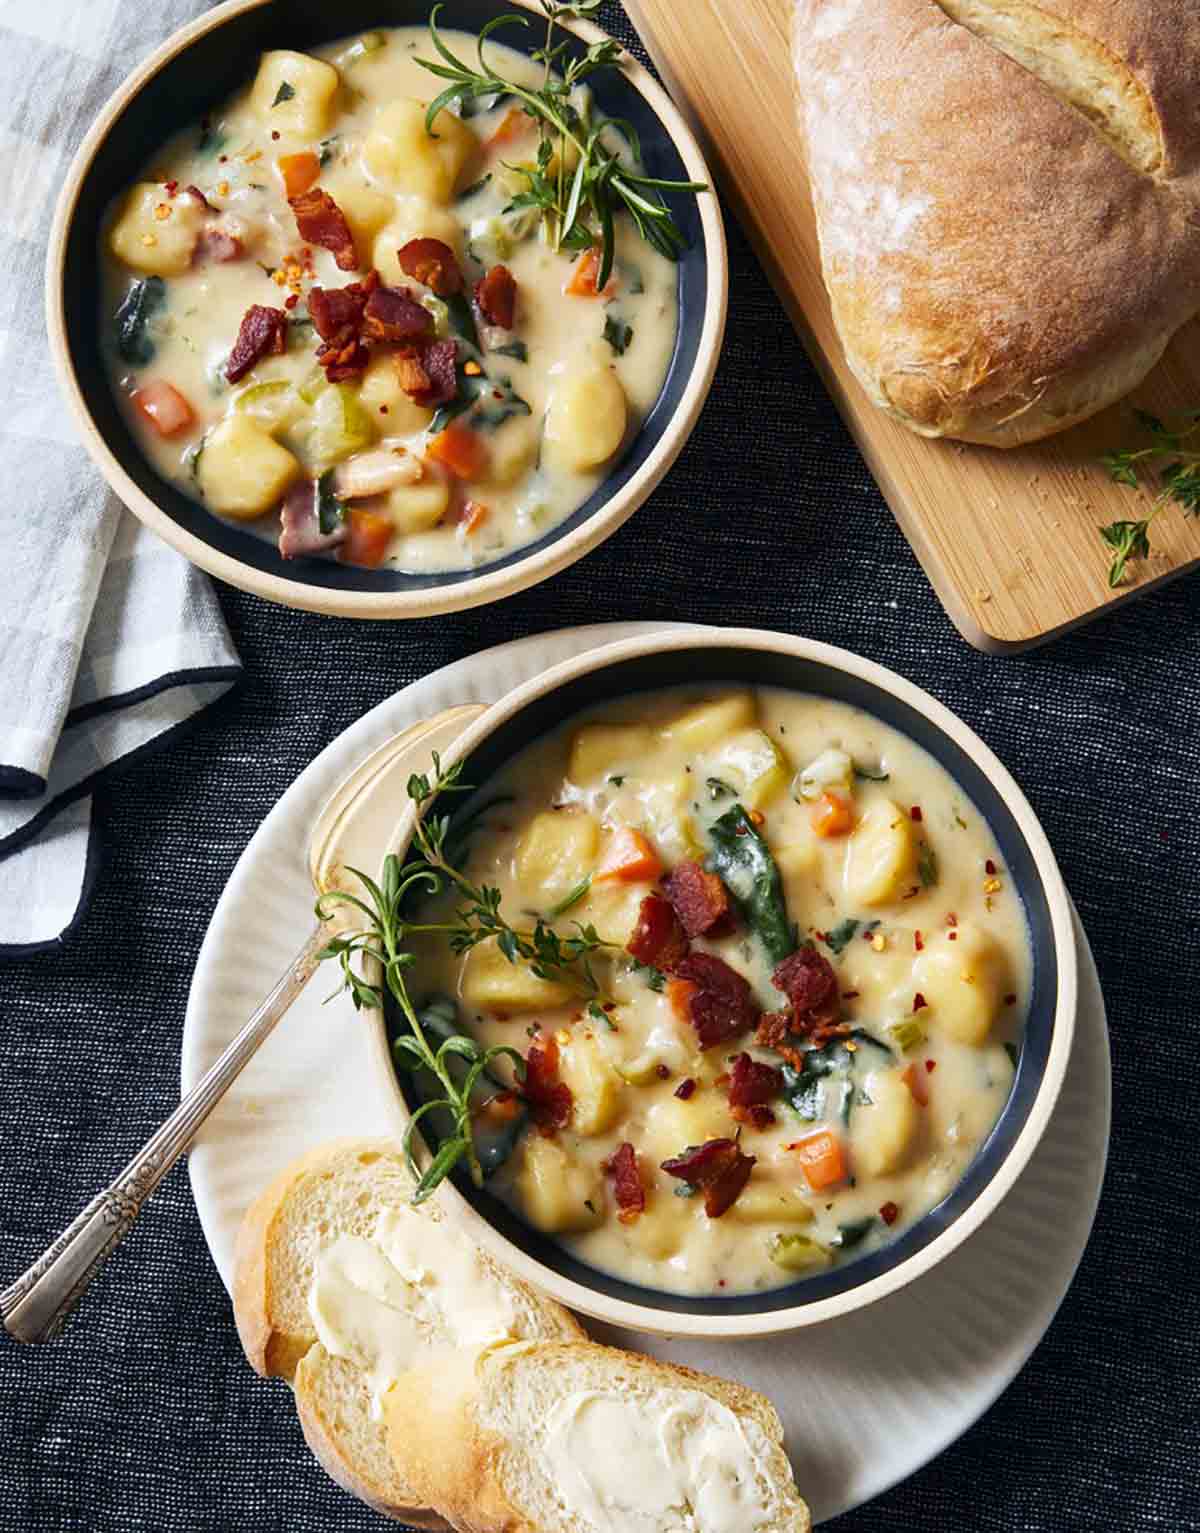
781	965
363	354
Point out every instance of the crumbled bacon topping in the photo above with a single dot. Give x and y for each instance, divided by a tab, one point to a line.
496	295
718	1168
752	1085
432	263
428	374
393	314
262	332
321	222
338	314
220	245
548	1099
658	938
700	899
720	1004
810	984
622	1166
194	191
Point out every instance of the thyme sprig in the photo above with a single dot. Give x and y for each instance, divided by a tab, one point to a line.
578	206
1175	452
383	936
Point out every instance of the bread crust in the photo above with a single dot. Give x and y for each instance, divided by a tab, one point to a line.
997	270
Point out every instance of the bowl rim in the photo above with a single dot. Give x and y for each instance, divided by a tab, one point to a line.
715	1326
424	602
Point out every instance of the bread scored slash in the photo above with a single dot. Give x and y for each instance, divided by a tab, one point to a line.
572	1437
341	1285
1006	196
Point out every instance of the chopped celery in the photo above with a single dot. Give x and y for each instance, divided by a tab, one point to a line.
314	384
797	1253
907	1034
271	405
752	763
337	426
440	313
831	769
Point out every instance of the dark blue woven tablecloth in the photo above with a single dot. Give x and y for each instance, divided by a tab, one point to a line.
144	1416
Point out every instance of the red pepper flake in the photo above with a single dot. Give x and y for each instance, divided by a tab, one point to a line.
930	1066
622	1166
952	936
918	942
662	1072
915	813
222	158
274	132
291	300
172	187
919	1002
889	1213
1010	1000
383	409
686	1089
989	868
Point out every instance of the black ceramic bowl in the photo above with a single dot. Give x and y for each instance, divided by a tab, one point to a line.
756	658
201	65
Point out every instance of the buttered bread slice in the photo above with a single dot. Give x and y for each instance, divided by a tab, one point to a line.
572	1437
343	1286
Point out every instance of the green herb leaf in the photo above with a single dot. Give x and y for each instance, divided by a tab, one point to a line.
517	350
836	939
1128	540
1175	450
284	93
719	788
331	512
927	866
578	893
851	1235
616	780
132	319
747	868
617	334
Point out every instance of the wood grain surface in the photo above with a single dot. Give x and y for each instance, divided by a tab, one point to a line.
1008	539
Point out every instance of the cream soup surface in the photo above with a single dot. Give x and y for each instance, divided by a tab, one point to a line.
556	397
887	871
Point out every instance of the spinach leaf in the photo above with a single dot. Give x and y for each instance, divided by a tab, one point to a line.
802	1089
803	1092
498	402
328	147
850	1235
841	934
744	861
285	93
517	350
718	788
655	978
927	866
331	512
1013	1053
617	334
211	141
462	318
140	304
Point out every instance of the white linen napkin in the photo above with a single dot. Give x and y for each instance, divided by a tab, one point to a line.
109	640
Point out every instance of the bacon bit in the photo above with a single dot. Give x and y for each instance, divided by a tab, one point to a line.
658	939
496	295
889	1212
427	374
291	300
918	942
263	331
752	1085
811	985
718	1168
337	316
721	1005
919	1002
686	1089
548	1099
221	245
432	263
915	813
989	867
321	222
191	190
700	899
171	187
1010	1000
393	314
914	1079
622	1166
930	1066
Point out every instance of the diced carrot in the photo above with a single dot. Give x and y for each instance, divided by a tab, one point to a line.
369	536
917	1081
472	516
585	274
821	1160
832	815
679	994
461	450
299	172
629	857
513	125
164	407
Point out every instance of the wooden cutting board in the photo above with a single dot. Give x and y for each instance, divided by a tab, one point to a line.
1008	539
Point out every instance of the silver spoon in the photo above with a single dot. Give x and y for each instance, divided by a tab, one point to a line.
37	1305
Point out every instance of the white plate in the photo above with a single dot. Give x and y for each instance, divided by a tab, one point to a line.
866	1402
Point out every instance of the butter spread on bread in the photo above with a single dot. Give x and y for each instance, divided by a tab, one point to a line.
1006	200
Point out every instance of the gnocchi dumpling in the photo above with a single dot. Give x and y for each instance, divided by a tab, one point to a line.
403	156
962	982
706	724
380	392
366	210
594	1085
491	984
558	1193
161	245
672	1125
293	93
884	1129
765	1202
557	852
514	448
600	750
586	418
242	471
881	856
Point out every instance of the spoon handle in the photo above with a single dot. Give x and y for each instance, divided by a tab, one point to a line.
36	1306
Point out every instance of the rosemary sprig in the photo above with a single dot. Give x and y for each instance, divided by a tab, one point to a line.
384	935
1178	477
579	206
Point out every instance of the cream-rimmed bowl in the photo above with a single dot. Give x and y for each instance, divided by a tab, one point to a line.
757	658
197	67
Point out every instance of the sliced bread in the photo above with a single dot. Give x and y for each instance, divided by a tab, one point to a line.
573	1437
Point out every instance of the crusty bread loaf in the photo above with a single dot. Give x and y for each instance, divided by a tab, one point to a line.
340	1189
476	1438
1007	200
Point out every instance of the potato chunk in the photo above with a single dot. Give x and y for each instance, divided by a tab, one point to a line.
595	1086
600	750
162	247
765	1202
672	1125
556	853
556	1193
881	856
293	93
417	507
586	418
402	156
705	725
491	984
242	471
962	982
882	1132
751	763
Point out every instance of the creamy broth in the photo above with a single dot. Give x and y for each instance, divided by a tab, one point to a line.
561	392
887	872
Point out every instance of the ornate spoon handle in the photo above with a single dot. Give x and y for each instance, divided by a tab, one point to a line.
36	1306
